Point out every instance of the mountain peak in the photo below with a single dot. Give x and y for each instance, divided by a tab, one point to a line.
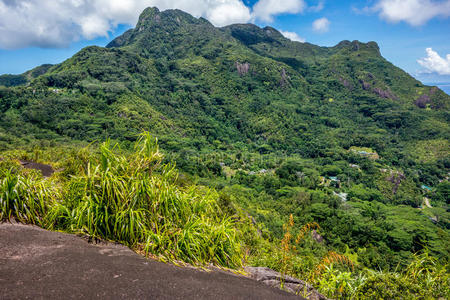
152	19
357	45
250	34
153	15
149	14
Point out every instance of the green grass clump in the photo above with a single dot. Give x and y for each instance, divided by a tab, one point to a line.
23	197
133	199
424	278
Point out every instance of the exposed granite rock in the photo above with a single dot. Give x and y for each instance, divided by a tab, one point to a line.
290	284
284	78
425	99
422	101
346	83
396	178
356	45
317	237
40	264
387	94
242	68
384	94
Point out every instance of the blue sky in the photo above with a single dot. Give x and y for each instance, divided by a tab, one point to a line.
33	32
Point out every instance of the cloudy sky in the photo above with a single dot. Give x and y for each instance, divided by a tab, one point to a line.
413	34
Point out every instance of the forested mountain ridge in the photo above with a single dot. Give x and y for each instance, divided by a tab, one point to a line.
333	135
171	56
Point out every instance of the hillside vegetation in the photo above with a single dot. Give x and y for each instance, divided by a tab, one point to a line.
327	163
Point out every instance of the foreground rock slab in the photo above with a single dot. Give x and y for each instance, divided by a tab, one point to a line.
40	264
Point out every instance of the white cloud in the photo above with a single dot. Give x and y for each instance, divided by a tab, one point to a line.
434	63
50	23
316	8
321	25
47	23
218	12
265	10
414	12
229	13
293	36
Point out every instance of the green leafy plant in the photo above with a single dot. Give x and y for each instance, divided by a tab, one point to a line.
25	198
133	199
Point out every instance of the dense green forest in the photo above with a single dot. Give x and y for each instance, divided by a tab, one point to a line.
327	163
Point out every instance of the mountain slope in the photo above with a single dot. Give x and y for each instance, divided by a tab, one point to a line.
170	57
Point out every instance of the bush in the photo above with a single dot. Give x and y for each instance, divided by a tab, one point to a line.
131	199
25	198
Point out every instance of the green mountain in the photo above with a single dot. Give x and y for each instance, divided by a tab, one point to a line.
333	135
238	83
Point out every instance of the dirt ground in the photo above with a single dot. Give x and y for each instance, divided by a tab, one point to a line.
40	264
46	170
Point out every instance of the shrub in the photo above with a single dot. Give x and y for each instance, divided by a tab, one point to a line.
133	199
24	198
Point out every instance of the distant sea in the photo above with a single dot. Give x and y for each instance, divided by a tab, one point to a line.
443	86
